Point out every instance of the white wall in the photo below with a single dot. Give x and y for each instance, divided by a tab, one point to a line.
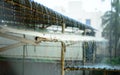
76	11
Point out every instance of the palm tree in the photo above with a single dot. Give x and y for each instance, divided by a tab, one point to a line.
111	24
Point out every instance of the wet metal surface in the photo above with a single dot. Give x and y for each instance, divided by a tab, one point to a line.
94	67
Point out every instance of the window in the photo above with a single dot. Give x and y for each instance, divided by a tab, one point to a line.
88	22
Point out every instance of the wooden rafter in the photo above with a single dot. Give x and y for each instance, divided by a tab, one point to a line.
11	46
21	39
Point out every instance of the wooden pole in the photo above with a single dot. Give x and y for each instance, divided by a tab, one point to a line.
17	38
94	52
11	46
84	52
63	27
105	72
62	52
62	58
24	46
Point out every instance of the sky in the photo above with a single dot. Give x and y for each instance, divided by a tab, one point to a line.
93	5
88	5
52	3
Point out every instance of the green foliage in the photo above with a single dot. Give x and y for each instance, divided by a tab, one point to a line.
98	72
111	25
111	19
113	61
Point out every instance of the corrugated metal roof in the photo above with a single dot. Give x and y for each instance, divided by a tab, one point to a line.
31	14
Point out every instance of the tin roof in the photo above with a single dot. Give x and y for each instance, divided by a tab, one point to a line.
30	14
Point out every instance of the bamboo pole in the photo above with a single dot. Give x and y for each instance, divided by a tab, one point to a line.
94	52
105	72
11	46
23	64
17	38
62	58
84	52
63	27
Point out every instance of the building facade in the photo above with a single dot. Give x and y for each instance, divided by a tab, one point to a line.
93	18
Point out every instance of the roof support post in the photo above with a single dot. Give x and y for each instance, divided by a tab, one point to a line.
63	27
63	48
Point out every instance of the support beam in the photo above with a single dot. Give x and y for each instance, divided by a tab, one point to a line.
94	52
11	46
21	39
63	27
62	58
84	56
39	39
105	72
